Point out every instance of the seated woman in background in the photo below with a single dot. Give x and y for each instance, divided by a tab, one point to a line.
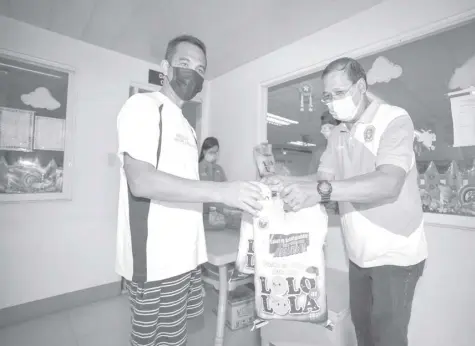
211	171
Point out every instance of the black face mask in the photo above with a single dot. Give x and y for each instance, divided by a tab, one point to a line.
186	83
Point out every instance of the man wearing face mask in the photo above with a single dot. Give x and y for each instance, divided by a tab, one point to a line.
369	168
160	237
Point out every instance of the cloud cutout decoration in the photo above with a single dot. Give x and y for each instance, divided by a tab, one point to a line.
41	98
383	71
464	76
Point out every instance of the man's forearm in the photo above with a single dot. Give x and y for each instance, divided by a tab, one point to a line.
375	187
165	187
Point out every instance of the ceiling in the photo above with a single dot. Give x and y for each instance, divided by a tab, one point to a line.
420	85
235	32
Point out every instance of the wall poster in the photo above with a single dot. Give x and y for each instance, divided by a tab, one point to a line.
34	129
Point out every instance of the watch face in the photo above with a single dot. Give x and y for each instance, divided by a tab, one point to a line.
325	188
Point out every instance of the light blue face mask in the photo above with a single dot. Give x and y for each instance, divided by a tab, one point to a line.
211	158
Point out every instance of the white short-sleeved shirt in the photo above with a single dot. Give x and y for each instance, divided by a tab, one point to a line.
157	240
378	234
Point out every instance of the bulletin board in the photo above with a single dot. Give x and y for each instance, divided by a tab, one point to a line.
433	79
35	129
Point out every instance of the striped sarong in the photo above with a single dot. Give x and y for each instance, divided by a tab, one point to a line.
160	309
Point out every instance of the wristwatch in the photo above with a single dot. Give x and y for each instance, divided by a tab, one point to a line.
324	189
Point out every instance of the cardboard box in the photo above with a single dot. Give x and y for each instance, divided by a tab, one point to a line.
240	308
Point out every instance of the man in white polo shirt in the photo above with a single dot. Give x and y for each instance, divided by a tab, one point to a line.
369	168
161	241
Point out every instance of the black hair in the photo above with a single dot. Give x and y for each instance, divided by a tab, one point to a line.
327	118
171	47
208	143
353	69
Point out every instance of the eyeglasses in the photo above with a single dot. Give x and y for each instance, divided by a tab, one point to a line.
337	95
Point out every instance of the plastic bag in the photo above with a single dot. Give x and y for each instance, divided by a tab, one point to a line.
245	257
265	163
289	263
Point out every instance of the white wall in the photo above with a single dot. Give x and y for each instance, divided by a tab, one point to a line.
51	248
444	305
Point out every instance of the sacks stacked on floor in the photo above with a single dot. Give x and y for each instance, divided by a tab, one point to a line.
265	163
285	252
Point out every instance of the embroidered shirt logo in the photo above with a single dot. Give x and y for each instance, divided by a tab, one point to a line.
369	133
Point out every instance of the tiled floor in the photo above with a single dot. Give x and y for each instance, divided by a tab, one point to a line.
107	323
